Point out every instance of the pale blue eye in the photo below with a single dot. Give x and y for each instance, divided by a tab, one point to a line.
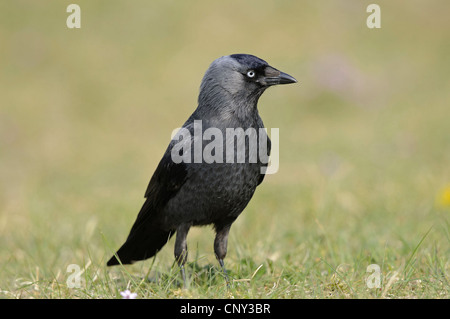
251	74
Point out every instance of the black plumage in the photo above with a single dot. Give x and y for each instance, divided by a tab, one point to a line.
192	193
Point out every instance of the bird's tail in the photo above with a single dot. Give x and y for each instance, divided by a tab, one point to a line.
143	242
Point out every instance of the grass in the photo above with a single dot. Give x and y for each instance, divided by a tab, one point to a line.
85	116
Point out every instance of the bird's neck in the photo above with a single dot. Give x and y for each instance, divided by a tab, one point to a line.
228	107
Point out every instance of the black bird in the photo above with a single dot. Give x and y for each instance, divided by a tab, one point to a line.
194	192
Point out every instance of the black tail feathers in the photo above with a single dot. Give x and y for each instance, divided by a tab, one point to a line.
142	243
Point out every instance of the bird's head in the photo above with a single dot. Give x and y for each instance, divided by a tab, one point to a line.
240	76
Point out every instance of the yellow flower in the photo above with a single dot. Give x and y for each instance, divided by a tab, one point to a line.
444	197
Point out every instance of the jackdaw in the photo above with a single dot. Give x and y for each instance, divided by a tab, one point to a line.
195	190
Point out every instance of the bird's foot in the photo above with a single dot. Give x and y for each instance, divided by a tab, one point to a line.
227	279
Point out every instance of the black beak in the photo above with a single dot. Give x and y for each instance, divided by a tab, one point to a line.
274	77
286	78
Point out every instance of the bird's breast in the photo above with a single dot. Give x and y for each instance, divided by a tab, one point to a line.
223	171
214	191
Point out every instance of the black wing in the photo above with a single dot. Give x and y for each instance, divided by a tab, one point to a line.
269	146
165	183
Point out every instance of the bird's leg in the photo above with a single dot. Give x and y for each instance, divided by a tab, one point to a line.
220	248
180	250
227	279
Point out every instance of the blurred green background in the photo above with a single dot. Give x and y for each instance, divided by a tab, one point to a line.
86	114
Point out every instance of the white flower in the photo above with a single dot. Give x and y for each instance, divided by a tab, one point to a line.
128	294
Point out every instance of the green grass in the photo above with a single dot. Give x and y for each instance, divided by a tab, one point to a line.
364	178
